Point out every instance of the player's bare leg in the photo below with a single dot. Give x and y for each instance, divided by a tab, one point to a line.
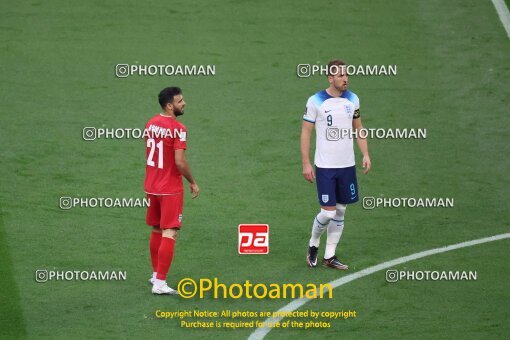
335	229
320	224
165	256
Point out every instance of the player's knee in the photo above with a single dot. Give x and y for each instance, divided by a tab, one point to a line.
156	229
170	233
340	212
328	214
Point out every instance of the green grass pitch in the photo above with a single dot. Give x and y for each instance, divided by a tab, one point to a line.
57	77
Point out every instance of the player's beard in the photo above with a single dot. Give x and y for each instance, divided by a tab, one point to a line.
179	112
342	87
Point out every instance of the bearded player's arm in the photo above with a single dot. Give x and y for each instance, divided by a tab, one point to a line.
182	165
362	142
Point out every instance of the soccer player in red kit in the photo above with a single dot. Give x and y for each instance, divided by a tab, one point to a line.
166	164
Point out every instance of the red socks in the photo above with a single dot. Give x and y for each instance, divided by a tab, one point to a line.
162	253
165	256
154	243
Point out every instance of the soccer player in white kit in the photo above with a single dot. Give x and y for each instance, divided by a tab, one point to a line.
333	112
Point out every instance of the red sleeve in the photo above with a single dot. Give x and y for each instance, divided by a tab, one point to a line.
180	139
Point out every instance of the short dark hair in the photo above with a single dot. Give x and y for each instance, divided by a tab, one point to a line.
167	95
336	63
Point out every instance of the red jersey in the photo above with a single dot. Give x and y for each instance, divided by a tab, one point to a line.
163	135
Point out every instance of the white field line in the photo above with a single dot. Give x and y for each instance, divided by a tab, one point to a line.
503	13
260	333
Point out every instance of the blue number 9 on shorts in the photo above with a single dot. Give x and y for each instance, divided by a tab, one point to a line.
336	186
353	189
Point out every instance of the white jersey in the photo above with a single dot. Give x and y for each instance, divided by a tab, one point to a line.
331	116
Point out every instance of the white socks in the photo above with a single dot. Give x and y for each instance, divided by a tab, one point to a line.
335	229
320	224
333	221
334	233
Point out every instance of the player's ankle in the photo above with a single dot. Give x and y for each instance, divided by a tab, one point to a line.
159	283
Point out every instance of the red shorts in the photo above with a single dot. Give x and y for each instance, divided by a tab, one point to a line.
165	211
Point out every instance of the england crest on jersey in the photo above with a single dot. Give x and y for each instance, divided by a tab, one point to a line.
325	198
